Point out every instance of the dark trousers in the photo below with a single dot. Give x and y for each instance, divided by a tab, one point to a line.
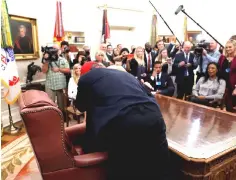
137	145
200	101
185	88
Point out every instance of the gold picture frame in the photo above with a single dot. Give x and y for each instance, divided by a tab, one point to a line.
24	32
194	35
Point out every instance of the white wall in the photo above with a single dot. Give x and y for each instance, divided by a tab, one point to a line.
85	16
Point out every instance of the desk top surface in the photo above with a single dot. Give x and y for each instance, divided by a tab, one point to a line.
197	131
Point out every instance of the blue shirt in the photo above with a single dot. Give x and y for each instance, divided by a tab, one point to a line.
210	57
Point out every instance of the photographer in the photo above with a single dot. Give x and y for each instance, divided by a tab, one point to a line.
65	51
204	54
79	59
87	52
55	67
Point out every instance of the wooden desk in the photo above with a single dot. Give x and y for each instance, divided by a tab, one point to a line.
202	140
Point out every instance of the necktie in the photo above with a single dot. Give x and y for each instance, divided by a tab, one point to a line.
186	58
186	69
149	62
201	61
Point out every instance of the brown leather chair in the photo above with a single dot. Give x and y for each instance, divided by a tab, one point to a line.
58	156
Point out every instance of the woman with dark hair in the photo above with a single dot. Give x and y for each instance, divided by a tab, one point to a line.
209	88
122	58
79	59
115	53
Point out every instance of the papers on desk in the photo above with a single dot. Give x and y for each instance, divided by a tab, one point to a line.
153	93
148	85
206	151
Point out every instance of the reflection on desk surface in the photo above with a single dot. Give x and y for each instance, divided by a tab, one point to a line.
197	131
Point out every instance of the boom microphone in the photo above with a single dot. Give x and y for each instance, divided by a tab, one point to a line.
179	9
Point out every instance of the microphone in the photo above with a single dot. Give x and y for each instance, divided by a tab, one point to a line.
180	8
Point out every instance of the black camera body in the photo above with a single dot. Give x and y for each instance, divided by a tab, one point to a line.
52	53
83	61
200	46
66	49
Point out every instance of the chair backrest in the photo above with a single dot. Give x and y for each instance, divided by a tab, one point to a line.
45	127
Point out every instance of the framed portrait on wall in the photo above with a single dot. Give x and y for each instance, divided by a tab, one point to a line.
25	37
192	36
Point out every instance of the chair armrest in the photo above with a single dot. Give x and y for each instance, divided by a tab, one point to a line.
76	131
90	159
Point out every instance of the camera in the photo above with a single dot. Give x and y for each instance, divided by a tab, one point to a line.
52	53
66	49
200	46
84	60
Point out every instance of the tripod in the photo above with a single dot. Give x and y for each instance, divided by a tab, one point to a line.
183	10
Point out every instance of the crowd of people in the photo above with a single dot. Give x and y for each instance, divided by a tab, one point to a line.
171	70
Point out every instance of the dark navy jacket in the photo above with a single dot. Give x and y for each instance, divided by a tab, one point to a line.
106	94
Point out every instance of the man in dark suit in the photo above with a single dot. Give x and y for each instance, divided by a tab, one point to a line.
149	58
161	82
184	65
123	119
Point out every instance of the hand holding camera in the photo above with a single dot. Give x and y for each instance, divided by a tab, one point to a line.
50	54
46	56
130	56
204	52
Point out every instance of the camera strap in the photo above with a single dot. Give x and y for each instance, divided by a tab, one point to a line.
50	64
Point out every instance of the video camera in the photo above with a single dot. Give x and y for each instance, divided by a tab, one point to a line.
52	53
200	46
66	49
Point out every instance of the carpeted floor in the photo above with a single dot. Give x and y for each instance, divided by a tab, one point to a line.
15	155
8	138
18	162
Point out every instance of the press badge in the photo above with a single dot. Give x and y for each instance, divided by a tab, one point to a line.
158	83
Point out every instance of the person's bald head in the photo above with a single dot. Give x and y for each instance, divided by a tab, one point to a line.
213	45
187	46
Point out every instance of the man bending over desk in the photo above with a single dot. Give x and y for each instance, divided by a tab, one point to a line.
123	119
